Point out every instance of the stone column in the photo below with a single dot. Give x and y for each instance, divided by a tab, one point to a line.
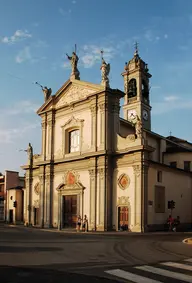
102	125
137	198
101	201
92	215
93	128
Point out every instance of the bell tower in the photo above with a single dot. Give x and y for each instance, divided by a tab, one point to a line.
136	87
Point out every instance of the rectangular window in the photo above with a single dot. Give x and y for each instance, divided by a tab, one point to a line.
187	165
159	199
173	164
159	176
74	141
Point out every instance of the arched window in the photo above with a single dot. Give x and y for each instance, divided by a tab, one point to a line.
145	91
74	141
132	88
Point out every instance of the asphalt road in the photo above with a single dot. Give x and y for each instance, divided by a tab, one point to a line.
29	254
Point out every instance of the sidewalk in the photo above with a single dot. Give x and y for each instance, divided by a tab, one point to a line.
113	233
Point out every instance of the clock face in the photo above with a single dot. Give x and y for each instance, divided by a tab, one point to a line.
132	114
145	115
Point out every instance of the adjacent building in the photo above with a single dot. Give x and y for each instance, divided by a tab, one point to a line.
114	170
11	197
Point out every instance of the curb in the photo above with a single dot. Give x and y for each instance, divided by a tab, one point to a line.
187	241
113	233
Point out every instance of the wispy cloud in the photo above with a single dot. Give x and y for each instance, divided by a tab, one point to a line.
155	87
171	98
21	107
167	106
8	135
64	12
35	24
74	2
25	55
41	44
18	36
152	36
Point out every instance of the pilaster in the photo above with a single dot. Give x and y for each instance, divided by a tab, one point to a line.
137	198
44	130
48	197
102	126
144	196
93	109
101	201
42	189
92	209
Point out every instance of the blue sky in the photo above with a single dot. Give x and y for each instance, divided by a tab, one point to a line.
35	35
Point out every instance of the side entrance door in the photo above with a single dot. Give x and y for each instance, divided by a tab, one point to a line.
69	211
123	218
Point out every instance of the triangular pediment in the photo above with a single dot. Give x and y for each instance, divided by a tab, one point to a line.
71	92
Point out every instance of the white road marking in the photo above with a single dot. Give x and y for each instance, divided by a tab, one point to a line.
178	265
131	276
163	272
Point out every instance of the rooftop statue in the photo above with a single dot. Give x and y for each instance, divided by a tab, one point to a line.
105	69
74	61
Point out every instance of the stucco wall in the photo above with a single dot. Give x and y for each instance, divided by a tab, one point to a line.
179	158
178	187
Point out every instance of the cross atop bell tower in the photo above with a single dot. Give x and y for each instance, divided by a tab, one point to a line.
136	87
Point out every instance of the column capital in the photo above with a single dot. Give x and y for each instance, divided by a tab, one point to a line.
92	173
43	125
101	172
93	109
137	169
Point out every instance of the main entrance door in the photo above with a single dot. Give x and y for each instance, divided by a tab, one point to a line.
36	216
123	217
69	211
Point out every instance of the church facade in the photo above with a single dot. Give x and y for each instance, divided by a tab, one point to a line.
114	170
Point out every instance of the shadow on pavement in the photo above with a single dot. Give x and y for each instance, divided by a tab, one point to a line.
11	274
13	249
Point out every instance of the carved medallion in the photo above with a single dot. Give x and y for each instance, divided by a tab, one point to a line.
37	188
124	181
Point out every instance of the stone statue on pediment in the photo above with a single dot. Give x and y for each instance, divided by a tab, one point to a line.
105	69
29	151
47	92
74	61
